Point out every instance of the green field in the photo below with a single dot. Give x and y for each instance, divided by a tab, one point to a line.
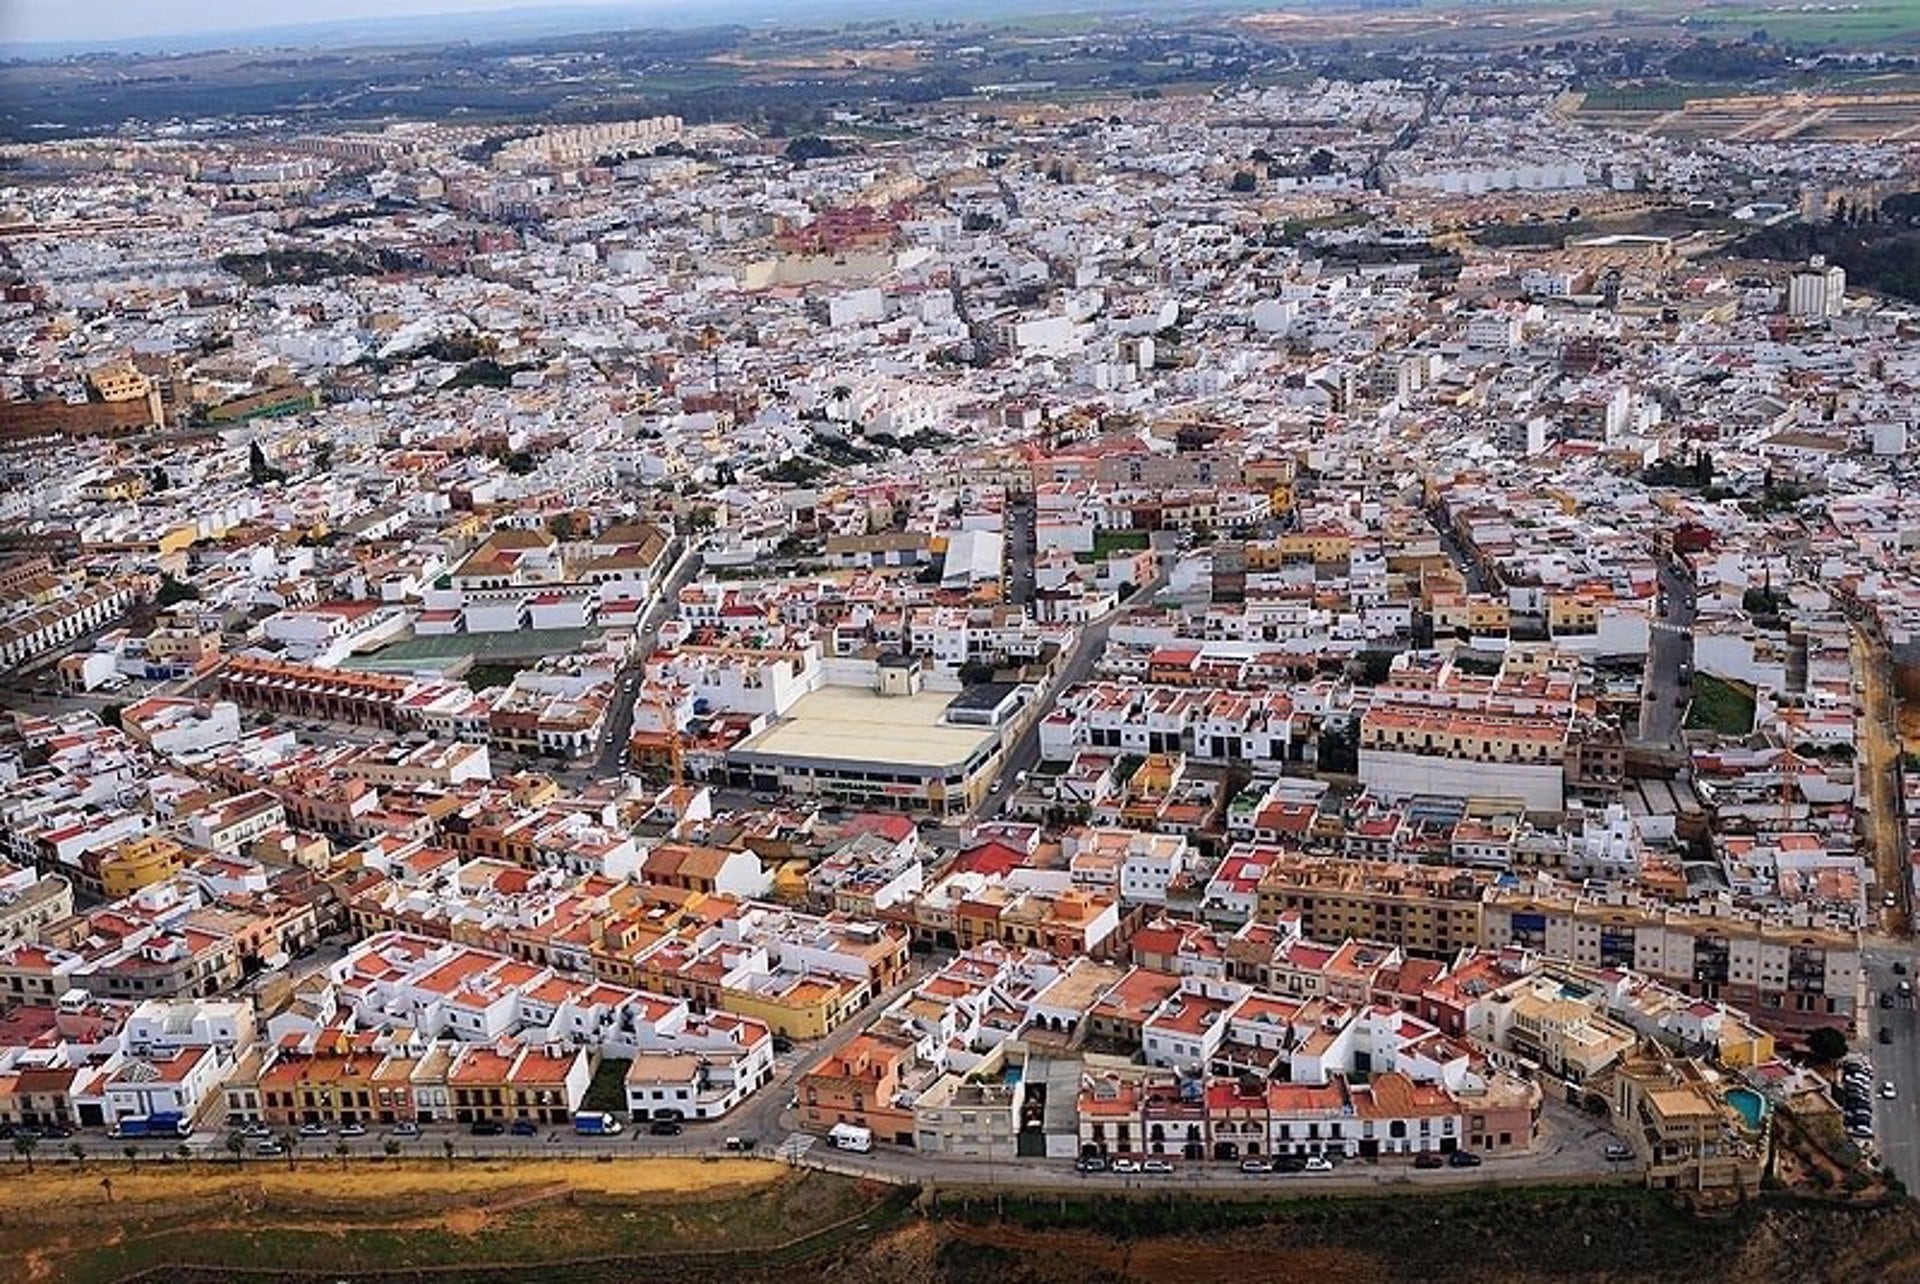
1726	707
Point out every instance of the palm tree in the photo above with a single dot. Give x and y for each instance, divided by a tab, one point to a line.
342	1149
289	1142
446	1144
24	1147
78	1151
391	1147
183	1152
236	1146
132	1153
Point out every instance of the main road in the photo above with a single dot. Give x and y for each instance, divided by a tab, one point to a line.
1896	1120
1669	656
1077	667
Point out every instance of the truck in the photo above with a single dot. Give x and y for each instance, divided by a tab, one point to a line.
851	1137
596	1123
165	1124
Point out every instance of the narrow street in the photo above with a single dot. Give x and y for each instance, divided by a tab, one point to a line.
1879	761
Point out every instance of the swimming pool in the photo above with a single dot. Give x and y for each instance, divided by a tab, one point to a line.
1751	1105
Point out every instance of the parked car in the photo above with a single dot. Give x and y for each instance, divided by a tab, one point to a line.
1318	1164
353	1130
313	1130
665	1128
488	1127
1899	968
406	1128
1289	1163
269	1147
1886	1000
1888	1091
1429	1159
1885	1035
1124	1165
1463	1159
524	1128
1159	1166
1255	1166
1617	1151
781	1043
1091	1164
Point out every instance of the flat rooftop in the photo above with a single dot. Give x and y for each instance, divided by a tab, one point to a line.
848	725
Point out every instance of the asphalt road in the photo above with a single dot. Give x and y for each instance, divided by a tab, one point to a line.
1020	549
1896	1122
1670	645
1076	668
620	720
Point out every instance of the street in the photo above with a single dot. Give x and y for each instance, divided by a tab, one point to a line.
620	717
1896	1122
1077	667
1669	646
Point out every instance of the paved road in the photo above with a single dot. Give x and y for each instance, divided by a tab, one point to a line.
1076	668
1897	1122
1020	549
1670	646
620	721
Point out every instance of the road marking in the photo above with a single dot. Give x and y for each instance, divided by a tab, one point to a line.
795	1146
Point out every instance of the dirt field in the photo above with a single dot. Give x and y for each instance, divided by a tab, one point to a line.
391	1185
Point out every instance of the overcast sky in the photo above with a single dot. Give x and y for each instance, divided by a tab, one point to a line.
83	20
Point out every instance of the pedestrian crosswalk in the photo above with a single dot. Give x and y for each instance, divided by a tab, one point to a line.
795	1146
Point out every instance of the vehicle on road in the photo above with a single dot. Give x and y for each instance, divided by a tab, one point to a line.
1124	1165
1318	1164
1429	1159
596	1123
851	1137
488	1128
1906	989
314	1130
1885	1035
406	1128
1618	1151
665	1128
269	1146
1255	1166
1887	1091
1091	1164
165	1124
1289	1163
1886	1000
742	1143
1463	1159
1159	1167
353	1130
524	1128
1899	968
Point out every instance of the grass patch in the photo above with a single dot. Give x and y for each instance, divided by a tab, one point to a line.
498	674
608	1091
1719	705
1107	543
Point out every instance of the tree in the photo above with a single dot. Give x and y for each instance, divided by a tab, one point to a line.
111	715
183	1151
391	1147
174	591
446	1146
564	527
1827	1044
131	1152
289	1142
342	1149
79	1153
24	1147
236	1146
259	471
1243	181
158	480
